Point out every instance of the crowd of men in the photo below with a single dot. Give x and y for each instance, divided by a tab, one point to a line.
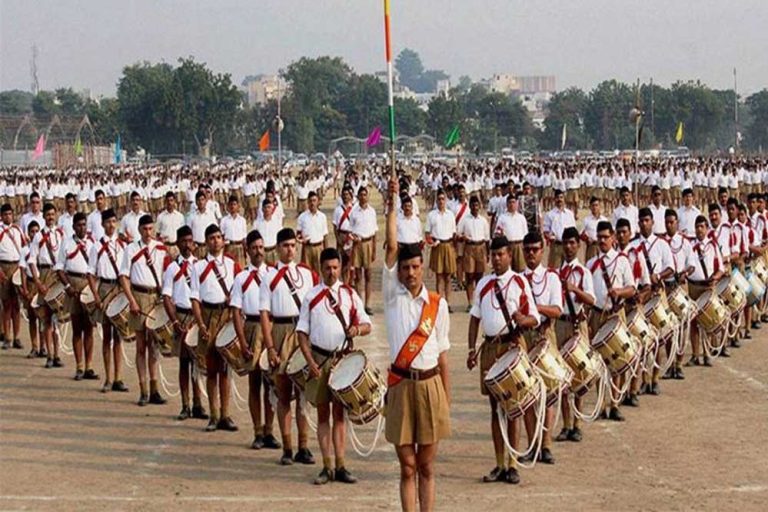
212	244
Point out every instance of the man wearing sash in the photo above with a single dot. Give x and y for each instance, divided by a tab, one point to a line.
579	292
343	230
418	399
332	315
210	286
144	261
11	241
282	291
245	315
460	208
178	305
501	307
27	292
72	268
103	261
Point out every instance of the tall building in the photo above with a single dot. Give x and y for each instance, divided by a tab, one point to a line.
263	88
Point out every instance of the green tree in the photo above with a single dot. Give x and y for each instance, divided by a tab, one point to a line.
70	102
410	119
15	102
44	105
566	108
606	116
409	67
443	114
756	133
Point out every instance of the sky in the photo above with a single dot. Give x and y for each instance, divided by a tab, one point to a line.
86	43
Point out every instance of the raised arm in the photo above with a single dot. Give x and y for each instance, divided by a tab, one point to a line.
391	228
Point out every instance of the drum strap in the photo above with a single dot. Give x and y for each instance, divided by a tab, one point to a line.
152	269
417	339
348	345
47	241
105	248
702	262
220	279
292	288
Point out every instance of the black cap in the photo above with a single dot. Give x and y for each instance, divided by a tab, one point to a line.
145	219
499	242
285	234
107	214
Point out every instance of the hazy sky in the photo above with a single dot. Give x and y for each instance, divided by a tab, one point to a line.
85	43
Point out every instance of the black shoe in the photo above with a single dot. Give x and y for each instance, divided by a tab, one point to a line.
747	336
143	400
156	399
525	458
563	435
258	442
32	354
212	424
725	353
513	477
17	344
497	474
185	414
271	443
575	435
227	425
679	375
79	375
707	362
6	345
42	353
631	400
106	387
735	343
49	363
369	311
693	361
545	457
669	374
287	458
755	325
450	310
344	476
119	385
90	375
198	412
325	476
616	415
57	362
304	456
764	318
654	389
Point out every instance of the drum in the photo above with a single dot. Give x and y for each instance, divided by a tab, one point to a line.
584	362
118	312
512	381
759	268
161	328
731	295
645	333
660	317
297	369
56	298
190	341
713	314
88	300
266	371
616	346
557	375
229	347
740	281
357	385
680	303
35	303
16	278
756	289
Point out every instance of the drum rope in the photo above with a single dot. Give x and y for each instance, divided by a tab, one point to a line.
166	383
622	390
357	445
303	409
127	360
601	387
534	445
199	378
711	349
63	332
237	398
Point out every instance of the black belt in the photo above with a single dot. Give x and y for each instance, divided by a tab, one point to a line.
143	289
183	311
412	374
107	281
44	266
510	337
9	262
285	319
209	305
444	241
323	352
252	318
79	275
170	244
471	242
557	242
698	283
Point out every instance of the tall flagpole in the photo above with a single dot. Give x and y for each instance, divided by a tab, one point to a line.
390	87
735	113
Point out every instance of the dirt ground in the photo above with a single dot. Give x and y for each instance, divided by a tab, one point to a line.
700	445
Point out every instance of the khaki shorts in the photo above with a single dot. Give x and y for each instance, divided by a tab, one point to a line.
7	290
564	330
73	303
214	319
106	292
146	302
362	254
237	251
417	412
442	258
310	256
474	258
270	256
518	259
317	390
285	340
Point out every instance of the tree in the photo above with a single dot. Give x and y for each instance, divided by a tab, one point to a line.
410	119
464	83
409	66
70	103
444	113
15	102
566	108
756	134
606	115
44	105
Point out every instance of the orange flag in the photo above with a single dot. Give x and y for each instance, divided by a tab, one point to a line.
264	141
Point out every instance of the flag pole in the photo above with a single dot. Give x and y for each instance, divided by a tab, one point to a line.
390	87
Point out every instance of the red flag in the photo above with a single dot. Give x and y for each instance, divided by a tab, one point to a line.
39	148
264	141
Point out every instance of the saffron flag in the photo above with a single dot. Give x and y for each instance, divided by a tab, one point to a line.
39	148
679	134
374	138
78	147
264	141
118	150
452	138
564	137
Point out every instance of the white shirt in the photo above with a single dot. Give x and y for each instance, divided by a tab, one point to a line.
409	230
45	246
340	220
687	220
403	313
577	274
93	224
313	227
546	287
268	230
176	281
712	260
363	221
318	319
73	255
129	225
517	295
136	260
513	226
556	220
275	295
657	253
246	290
659	219
204	284
618	270
199	222
28	217
723	236
441	225
99	262
168	223
627	212
590	226
682	252
234	229
475	229
11	242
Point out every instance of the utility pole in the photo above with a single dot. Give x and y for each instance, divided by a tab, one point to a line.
653	104
35	86
735	112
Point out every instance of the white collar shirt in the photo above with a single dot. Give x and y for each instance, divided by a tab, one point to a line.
176	281
707	251
441	225
722	234
682	252
28	217
576	273
168	223
268	230
618	270
513	226
517	295
140	259
341	216
275	295
73	255
657	252
45	246
630	213
546	286
234	229
11	242
105	256
475	228
208	274
556	220
363	221
687	220
93	224
246	290
318	320
129	225
409	230
312	226
199	222
590	226
659	219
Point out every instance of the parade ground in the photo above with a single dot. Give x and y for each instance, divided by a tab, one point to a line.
66	446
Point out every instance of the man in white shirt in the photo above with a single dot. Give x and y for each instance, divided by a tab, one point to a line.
513	225
168	223
12	239
658	210
199	219
129	225
94	224
475	233
332	315
687	214
34	213
268	224
234	228
626	210
418	326
555	222
343	231
409	228
440	234
589	231
364	226
66	218
311	232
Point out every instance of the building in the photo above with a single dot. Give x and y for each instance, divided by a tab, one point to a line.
263	88
507	83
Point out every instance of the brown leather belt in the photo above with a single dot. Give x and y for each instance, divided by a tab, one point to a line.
323	352
143	289
210	305
366	239
107	281
510	337
79	275
183	311
252	318
472	242
285	319
414	374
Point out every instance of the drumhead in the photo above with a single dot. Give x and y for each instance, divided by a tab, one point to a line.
606	330
723	285
507	360
86	296
117	304
346	372
226	334
264	361
704	298
191	339
652	303
537	350
157	317
16	277
54	291
571	344
296	362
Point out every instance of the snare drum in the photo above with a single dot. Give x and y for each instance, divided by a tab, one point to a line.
88	300
357	385
616	346
266	371
119	314
660	317
16	278
740	282
713	313
512	381
190	341
161	327
228	346
756	289
731	295
759	268
557	375
56	298
681	303
645	333
584	362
